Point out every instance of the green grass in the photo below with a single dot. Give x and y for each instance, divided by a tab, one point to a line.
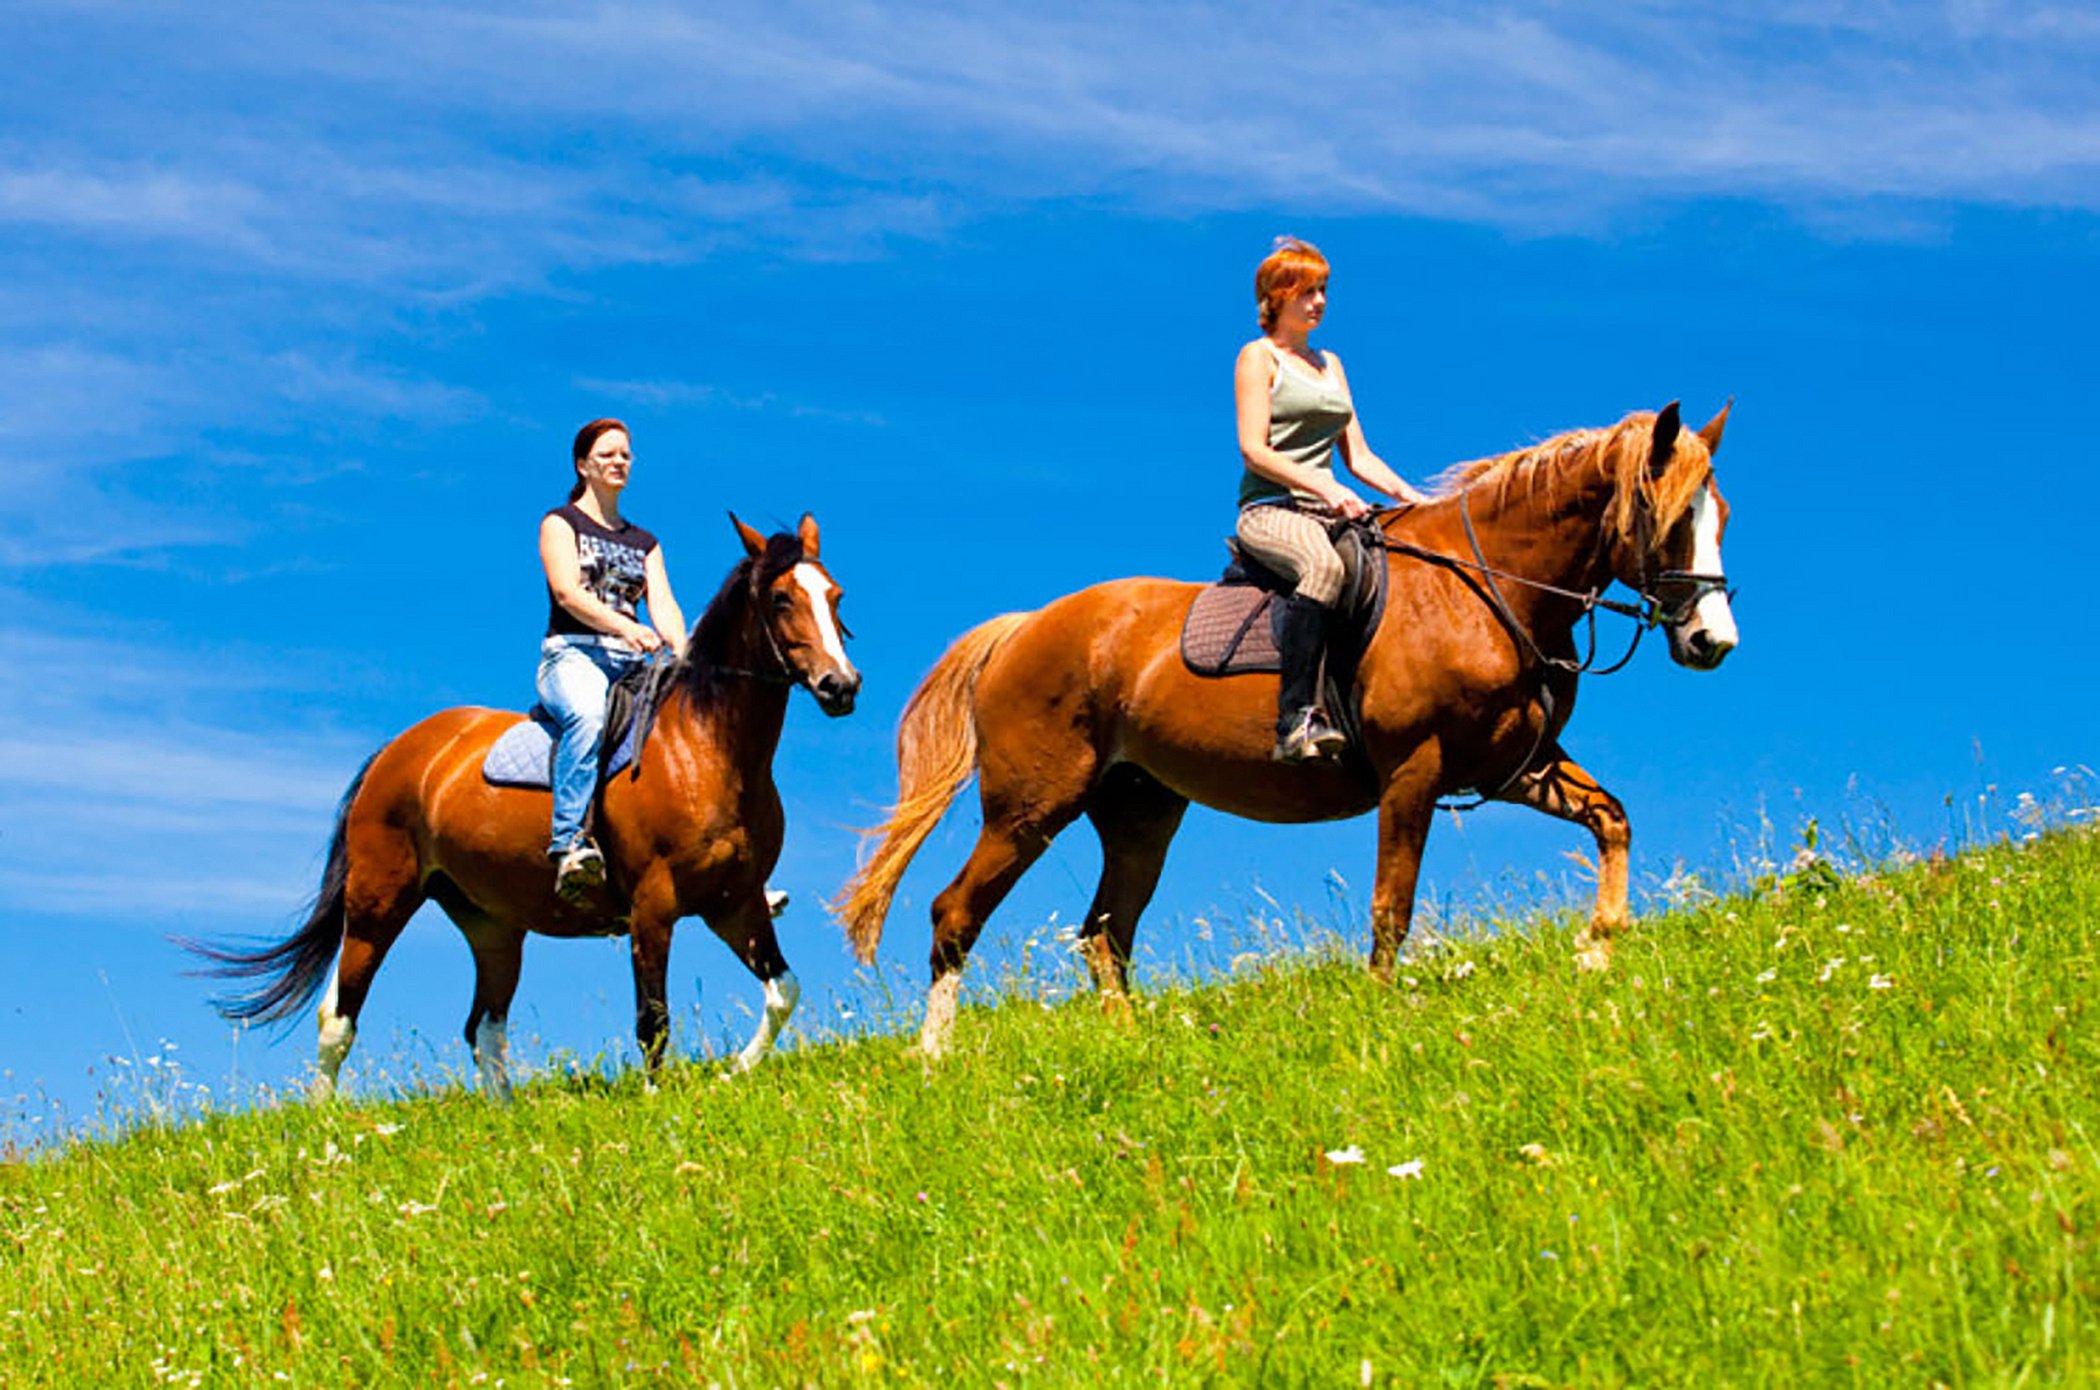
1821	1137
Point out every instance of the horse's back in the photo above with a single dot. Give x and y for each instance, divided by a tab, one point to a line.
429	754
1103	631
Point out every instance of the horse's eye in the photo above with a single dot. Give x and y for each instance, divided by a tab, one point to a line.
782	602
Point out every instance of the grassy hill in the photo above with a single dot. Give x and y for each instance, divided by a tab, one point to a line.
1833	1132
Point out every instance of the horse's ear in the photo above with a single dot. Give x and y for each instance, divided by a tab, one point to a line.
807	530
1667	428
754	543
1711	430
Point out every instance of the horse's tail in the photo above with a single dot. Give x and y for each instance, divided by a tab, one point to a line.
293	969
936	754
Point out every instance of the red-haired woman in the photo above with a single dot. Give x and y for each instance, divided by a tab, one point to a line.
599	566
1294	413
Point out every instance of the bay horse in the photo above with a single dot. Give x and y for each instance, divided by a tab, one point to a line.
695	830
1084	707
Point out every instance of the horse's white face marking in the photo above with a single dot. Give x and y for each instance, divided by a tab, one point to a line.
1711	614
492	1057
783	992
816	587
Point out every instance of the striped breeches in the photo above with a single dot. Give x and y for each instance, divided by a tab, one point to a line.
1296	546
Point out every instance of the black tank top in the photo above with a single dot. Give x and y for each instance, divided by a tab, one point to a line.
613	566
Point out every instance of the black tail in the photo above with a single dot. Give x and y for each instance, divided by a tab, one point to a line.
293	970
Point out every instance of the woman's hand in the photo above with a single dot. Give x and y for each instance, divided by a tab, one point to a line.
644	639
1347	504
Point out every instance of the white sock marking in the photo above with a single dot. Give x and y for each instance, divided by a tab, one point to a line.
492	1058
337	1033
814	585
782	994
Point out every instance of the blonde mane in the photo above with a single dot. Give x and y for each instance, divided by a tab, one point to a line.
1619	453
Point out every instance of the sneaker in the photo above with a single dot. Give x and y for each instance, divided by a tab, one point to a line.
579	872
1309	738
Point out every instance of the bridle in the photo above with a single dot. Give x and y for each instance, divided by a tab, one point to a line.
782	673
1650	612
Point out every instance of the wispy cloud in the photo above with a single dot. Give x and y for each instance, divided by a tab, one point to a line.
658	392
142	776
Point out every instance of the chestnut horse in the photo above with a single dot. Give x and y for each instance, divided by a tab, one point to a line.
695	830
1084	707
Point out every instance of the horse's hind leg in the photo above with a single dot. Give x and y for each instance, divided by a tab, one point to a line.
1020	821
1136	818
498	950
1562	789
381	894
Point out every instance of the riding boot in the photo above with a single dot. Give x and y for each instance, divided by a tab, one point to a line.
1302	730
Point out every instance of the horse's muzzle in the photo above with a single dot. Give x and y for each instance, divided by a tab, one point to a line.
1699	649
836	692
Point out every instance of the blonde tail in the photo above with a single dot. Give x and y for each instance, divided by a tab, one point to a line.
936	754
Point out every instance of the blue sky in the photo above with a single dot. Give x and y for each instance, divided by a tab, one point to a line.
302	309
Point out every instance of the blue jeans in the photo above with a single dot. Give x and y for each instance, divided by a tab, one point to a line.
576	674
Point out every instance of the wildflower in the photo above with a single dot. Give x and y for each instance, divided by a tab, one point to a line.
1539	1154
1830	967
1352	1154
1461	970
1410	1169
922	1197
1767	976
1881	982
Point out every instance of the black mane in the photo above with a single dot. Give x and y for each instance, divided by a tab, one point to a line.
699	671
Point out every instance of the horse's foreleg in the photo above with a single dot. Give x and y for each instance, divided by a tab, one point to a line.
1136	818
1405	811
649	945
1562	789
746	926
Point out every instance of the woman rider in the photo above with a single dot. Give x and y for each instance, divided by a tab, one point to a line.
599	566
1294	409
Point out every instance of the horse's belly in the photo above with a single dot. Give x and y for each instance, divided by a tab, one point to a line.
1258	789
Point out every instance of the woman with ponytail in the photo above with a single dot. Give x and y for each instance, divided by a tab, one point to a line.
600	568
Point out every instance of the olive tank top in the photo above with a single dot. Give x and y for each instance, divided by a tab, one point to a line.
1306	415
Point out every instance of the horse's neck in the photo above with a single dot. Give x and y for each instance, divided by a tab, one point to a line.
1553	534
737	727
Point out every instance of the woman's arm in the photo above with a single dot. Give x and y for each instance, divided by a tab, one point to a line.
565	579
664	612
1357	455
1250	394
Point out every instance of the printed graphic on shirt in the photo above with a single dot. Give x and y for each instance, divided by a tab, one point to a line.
612	571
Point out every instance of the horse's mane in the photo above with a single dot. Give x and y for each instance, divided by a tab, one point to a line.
700	670
1619	453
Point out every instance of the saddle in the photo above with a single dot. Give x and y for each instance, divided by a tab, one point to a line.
524	755
1231	627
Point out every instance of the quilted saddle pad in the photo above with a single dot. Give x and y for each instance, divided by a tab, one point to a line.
524	755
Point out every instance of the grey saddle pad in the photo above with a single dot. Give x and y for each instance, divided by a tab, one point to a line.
1227	632
524	755
1229	629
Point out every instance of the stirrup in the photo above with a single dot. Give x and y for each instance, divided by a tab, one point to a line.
580	872
1310	738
